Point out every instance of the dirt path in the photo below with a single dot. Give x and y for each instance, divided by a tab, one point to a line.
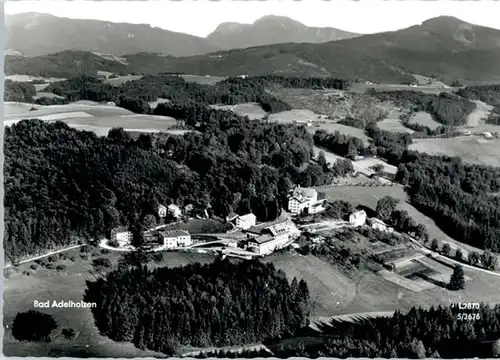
45	255
481	113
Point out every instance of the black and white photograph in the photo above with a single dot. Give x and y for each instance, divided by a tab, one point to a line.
251	179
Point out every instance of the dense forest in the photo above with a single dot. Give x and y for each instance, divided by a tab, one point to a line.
216	304
62	184
135	94
490	94
447	109
18	91
456	195
421	333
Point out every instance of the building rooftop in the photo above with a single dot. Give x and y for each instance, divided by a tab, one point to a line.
378	221
278	229
120	229
304	192
262	239
174	233
247	217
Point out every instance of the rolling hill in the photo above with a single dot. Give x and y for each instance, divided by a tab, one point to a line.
34	34
272	30
445	48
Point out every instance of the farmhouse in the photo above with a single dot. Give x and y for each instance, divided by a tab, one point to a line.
174	210
122	235
245	221
304	199
379	225
162	211
175	238
357	218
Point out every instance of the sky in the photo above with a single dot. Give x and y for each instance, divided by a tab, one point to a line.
201	17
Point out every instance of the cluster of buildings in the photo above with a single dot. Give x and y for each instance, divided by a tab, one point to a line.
166	239
265	240
304	200
359	218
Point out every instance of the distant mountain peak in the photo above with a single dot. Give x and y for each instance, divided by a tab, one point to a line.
272	29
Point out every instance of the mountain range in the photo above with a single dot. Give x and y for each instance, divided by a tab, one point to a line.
444	47
34	34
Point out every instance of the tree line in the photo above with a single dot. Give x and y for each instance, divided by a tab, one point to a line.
420	333
216	304
447	109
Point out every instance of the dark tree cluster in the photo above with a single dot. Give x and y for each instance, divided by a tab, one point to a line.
18	91
341	144
421	333
353	122
62	185
134	95
45	100
293	82
456	195
33	326
386	144
216	304
447	109
490	94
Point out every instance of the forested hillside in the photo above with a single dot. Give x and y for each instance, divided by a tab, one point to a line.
217	304
456	195
62	184
418	334
446	108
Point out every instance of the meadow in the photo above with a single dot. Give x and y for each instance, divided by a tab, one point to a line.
424	119
393	123
252	110
472	149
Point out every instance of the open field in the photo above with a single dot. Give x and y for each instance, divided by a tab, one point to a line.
367	196
20	291
393	123
343	129
336	104
203	79
200	79
122	79
15	108
479	114
330	290
27	78
302	115
91	117
367	163
428	89
472	149
424	119
252	110
41	94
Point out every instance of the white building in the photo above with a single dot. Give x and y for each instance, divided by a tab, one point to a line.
380	225
304	198
176	238
122	235
269	239
357	218
244	222
174	210
162	211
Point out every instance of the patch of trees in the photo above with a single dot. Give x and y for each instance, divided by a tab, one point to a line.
421	333
63	185
490	94
447	109
51	101
386	144
33	326
293	82
216	304
134	95
353	122
455	195
341	144
18	91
